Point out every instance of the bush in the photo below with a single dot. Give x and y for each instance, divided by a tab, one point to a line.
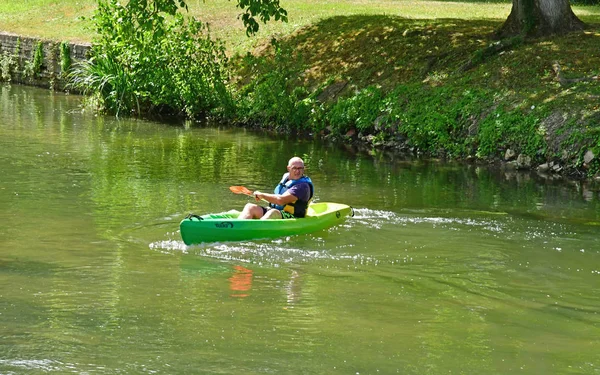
359	111
65	57
435	120
146	61
275	100
513	129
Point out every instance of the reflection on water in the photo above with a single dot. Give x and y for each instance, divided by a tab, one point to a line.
444	268
240	282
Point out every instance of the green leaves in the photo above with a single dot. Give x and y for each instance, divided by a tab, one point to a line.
65	57
359	111
264	10
33	67
152	59
515	129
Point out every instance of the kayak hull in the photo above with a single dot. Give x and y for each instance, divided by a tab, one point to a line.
226	226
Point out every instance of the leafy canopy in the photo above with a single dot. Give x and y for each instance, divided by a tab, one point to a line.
263	10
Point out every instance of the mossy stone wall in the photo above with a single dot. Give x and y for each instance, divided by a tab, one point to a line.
50	74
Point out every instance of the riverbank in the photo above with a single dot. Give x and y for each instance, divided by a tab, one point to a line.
436	88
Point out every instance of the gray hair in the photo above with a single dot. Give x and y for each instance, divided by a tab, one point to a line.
295	159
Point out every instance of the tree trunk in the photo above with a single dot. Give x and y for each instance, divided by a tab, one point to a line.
536	18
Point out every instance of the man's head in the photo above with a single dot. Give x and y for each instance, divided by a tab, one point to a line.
295	167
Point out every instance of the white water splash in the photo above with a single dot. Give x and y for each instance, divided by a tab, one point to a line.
273	252
46	365
378	218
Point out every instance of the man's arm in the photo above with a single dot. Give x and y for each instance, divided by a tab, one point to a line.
279	199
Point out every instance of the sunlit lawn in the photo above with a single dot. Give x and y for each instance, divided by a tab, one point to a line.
70	20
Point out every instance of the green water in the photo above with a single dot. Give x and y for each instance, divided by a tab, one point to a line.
444	268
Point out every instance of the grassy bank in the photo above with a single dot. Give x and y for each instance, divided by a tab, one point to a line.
432	87
424	77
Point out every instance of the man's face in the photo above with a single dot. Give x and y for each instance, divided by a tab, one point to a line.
296	170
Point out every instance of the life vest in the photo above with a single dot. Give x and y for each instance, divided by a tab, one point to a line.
298	208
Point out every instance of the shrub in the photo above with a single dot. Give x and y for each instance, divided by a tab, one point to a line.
33	67
9	63
275	99
434	120
65	57
513	129
358	111
147	61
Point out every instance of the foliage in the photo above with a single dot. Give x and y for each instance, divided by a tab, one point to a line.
6	64
9	63
38	58
275	100
406	87
65	57
33	67
587	138
357	111
151	59
264	10
435	120
504	129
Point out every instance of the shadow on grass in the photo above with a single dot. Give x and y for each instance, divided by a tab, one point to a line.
387	51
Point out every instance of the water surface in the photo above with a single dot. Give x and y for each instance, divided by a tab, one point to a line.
444	268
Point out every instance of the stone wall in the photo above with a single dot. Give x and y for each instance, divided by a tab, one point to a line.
50	74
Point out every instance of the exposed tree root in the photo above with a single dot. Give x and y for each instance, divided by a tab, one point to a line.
569	81
493	49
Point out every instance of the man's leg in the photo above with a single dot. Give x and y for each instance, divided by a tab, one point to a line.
272	214
251	211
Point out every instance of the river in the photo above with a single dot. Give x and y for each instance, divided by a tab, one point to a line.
444	268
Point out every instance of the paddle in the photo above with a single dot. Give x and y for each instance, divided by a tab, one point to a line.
243	190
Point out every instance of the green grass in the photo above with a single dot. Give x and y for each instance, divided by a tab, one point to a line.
221	15
58	20
390	50
70	19
506	100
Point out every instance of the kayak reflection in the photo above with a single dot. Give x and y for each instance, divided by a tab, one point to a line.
240	282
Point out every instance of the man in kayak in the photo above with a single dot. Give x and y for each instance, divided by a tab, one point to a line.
290	198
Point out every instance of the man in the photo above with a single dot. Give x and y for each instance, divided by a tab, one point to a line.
290	198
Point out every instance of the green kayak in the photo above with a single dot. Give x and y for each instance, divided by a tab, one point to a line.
225	226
